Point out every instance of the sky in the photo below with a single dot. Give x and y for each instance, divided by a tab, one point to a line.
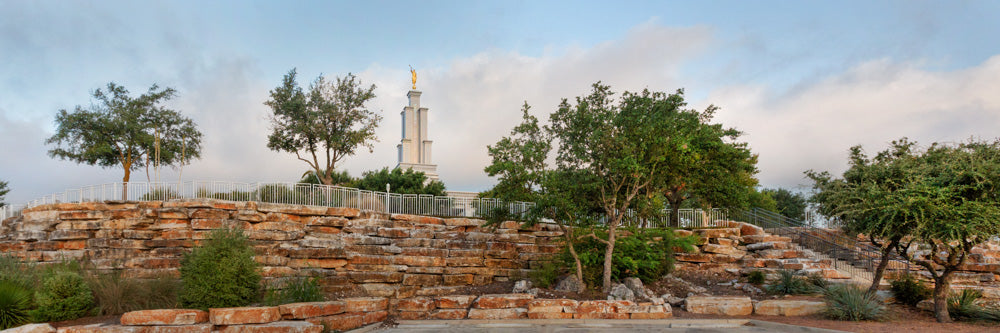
804	80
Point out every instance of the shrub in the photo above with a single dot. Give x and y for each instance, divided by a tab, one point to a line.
221	273
756	277
161	292
854	303
15	302
964	305
790	283
647	254
294	290
546	275
64	295
908	290
114	293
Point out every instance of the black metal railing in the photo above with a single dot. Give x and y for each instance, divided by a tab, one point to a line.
848	253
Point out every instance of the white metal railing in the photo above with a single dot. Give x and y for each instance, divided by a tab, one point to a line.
331	196
288	193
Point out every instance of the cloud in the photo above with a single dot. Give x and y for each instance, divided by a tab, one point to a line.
813	125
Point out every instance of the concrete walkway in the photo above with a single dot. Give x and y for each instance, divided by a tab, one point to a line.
578	325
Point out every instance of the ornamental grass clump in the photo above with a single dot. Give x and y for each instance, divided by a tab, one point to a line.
965	305
220	273
15	304
790	283
854	303
294	290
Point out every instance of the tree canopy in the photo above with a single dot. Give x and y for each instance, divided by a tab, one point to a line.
3	193
121	130
324	125
788	203
403	182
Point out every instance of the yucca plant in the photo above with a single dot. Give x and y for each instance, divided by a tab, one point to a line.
964	305
15	302
854	303
790	283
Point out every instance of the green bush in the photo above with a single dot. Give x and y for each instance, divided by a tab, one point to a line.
64	295
294	290
220	273
854	303
756	277
546	275
908	290
15	304
647	254
790	283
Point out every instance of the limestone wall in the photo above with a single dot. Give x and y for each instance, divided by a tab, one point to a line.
383	255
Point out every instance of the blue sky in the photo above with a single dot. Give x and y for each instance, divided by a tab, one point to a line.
804	80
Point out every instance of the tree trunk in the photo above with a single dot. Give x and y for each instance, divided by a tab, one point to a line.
675	211
883	263
576	260
128	172
942	285
609	255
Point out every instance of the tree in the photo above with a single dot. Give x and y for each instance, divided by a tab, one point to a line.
954	199
3	192
518	160
706	165
402	182
327	124
863	201
789	203
621	146
120	130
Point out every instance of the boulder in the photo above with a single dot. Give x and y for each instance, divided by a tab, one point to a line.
164	317
747	229
31	328
640	290
778	307
570	283
620	292
727	306
246	315
278	326
521	286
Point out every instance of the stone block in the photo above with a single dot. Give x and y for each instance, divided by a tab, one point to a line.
412	315
317	263
449	314
415	304
365	304
747	229
498	314
454	302
340	322
596	307
601	315
310	309
717	232
245	315
417	219
779	307
275	327
503	301
418	261
31	328
727	306
722	249
343	212
651	315
552	305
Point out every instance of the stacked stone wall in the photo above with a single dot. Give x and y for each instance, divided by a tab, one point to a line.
350	250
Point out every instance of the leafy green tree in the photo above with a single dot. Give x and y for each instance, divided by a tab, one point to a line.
326	124
864	200
121	130
341	178
955	202
763	200
404	182
789	203
3	192
518	160
707	165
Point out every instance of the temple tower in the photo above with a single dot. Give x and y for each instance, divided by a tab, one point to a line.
415	147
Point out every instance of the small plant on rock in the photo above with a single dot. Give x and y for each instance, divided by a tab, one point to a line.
854	303
221	273
908	290
294	290
790	283
756	277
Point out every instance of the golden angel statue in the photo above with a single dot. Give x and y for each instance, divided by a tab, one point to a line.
413	75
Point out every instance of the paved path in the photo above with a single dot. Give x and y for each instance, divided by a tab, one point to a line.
576	325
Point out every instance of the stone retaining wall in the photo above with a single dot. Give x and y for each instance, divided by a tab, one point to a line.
382	255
